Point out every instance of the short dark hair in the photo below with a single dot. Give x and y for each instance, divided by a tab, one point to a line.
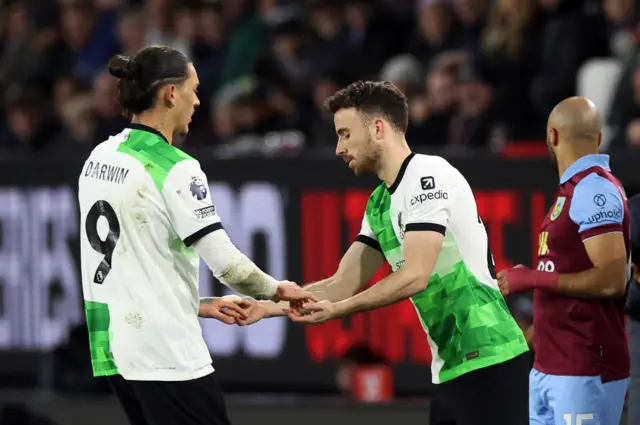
140	76
373	98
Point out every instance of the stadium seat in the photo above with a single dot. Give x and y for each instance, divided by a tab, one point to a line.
597	80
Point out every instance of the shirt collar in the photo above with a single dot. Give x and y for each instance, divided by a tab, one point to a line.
587	161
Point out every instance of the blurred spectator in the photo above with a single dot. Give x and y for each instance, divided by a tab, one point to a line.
247	40
32	124
472	123
623	18
329	42
31	52
430	113
371	39
276	12
132	31
567	41
79	124
508	61
264	64
90	37
104	104
319	127
65	89
289	53
472	15
404	71
165	23
18	55
436	30
625	117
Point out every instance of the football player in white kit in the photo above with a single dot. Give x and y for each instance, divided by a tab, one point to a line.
146	219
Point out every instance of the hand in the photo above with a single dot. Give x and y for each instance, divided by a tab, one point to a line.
503	284
254	310
520	278
289	291
315	312
223	310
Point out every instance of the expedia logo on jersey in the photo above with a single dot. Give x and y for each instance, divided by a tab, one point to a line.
198	188
430	196
205	212
428	183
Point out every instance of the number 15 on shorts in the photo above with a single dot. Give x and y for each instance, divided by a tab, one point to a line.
578	419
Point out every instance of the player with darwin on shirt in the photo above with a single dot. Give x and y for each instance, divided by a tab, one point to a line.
423	220
146	219
581	369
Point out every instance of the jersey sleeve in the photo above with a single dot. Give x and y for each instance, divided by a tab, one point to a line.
596	207
188	202
429	201
367	235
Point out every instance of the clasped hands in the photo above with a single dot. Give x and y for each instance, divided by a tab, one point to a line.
304	307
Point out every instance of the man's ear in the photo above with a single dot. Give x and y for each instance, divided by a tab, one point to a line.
169	95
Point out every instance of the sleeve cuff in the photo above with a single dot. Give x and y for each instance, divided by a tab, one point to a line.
601	230
369	241
190	240
425	227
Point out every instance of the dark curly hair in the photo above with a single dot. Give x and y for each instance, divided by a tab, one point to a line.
373	98
140	76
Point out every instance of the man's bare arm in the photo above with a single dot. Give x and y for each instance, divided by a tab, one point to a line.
357	267
528	334
421	250
607	277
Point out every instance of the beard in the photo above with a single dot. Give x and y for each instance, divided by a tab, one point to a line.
370	161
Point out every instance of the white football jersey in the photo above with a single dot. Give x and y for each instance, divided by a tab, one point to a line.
465	317
143	203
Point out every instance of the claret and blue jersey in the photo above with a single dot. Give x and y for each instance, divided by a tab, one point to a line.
598	203
582	360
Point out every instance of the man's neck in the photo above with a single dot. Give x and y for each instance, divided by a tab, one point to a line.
157	121
391	161
570	159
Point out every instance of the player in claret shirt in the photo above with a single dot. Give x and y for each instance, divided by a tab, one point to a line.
581	370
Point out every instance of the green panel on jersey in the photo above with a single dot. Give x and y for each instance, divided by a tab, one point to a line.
179	248
157	156
469	322
379	219
98	322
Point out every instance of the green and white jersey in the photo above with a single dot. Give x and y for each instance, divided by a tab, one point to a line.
143	203
465	317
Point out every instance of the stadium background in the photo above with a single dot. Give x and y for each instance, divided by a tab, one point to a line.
481	76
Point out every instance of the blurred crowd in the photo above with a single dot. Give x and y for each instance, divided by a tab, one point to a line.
478	73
